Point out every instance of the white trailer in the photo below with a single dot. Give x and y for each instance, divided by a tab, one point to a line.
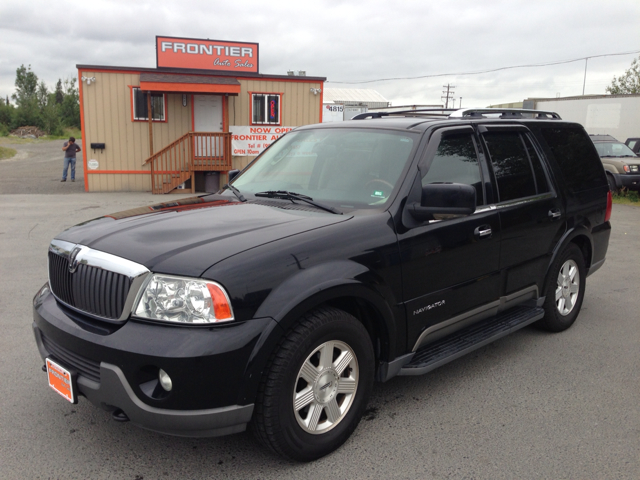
615	115
332	112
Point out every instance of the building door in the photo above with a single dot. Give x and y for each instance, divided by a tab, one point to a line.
207	117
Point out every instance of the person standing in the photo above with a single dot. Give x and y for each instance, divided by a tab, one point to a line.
70	148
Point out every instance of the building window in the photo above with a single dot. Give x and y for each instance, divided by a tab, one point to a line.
265	108
140	105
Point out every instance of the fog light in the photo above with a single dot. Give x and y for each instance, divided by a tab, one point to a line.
165	380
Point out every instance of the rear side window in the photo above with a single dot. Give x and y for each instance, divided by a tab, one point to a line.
576	156
542	185
511	165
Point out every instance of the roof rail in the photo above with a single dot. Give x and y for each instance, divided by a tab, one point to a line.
504	113
433	112
461	113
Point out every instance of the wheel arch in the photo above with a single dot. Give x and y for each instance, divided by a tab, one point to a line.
614	177
579	235
347	286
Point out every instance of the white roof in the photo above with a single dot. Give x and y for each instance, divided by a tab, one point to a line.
352	95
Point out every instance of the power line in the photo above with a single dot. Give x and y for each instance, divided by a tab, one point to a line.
560	62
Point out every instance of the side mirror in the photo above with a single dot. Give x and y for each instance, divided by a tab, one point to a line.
444	199
233	174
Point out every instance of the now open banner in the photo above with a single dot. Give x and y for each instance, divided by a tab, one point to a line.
248	141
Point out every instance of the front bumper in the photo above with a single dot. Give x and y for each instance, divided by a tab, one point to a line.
210	368
628	180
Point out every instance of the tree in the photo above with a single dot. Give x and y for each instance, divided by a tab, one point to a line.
42	95
26	85
59	92
70	107
627	83
6	116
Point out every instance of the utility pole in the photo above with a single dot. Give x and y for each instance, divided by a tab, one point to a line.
448	94
586	60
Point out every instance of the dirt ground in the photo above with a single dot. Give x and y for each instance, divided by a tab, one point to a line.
37	168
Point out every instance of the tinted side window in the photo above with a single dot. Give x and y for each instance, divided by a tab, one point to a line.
510	165
576	156
456	161
542	185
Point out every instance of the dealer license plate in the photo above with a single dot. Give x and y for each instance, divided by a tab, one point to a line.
61	380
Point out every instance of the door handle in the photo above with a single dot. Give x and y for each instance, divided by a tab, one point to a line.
555	213
483	231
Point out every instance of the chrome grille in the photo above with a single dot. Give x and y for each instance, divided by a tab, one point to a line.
90	289
94	282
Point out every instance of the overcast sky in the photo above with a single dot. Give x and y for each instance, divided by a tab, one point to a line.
345	41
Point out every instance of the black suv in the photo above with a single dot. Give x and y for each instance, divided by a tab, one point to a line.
344	254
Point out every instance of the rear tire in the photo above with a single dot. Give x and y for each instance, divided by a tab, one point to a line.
316	386
564	290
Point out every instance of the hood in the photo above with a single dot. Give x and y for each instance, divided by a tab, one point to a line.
188	236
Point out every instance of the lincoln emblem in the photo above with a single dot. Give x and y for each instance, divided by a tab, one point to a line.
73	260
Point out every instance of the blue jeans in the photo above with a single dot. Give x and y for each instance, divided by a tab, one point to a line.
69	161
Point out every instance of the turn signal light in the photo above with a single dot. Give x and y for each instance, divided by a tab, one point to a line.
221	305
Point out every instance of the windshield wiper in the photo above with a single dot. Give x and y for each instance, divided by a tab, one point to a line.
284	195
236	192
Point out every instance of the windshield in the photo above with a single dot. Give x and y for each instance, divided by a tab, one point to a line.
614	149
345	167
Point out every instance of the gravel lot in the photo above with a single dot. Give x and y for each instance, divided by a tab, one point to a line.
530	406
37	168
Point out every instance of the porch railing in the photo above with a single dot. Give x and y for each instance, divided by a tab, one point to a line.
194	151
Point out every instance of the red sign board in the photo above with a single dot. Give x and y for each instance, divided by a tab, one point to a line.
193	53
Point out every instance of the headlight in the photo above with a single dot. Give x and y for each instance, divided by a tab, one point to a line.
184	300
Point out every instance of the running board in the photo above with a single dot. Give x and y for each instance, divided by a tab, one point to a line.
478	335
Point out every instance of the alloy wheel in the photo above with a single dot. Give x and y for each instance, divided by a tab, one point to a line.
568	287
325	387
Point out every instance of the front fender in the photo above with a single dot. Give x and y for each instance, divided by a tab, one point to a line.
309	289
329	281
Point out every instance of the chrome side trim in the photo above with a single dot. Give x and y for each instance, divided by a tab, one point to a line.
136	272
480	313
511	203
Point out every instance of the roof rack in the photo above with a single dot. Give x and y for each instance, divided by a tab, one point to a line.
504	113
462	113
420	112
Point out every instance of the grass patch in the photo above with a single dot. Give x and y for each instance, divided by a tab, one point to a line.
626	197
68	132
6	152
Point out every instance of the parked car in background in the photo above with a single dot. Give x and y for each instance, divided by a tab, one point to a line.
634	145
621	164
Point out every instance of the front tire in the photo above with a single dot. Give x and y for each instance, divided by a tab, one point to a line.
565	290
316	386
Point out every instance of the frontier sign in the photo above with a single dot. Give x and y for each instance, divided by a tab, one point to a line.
199	54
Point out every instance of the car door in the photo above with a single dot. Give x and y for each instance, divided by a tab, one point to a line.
532	216
450	265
